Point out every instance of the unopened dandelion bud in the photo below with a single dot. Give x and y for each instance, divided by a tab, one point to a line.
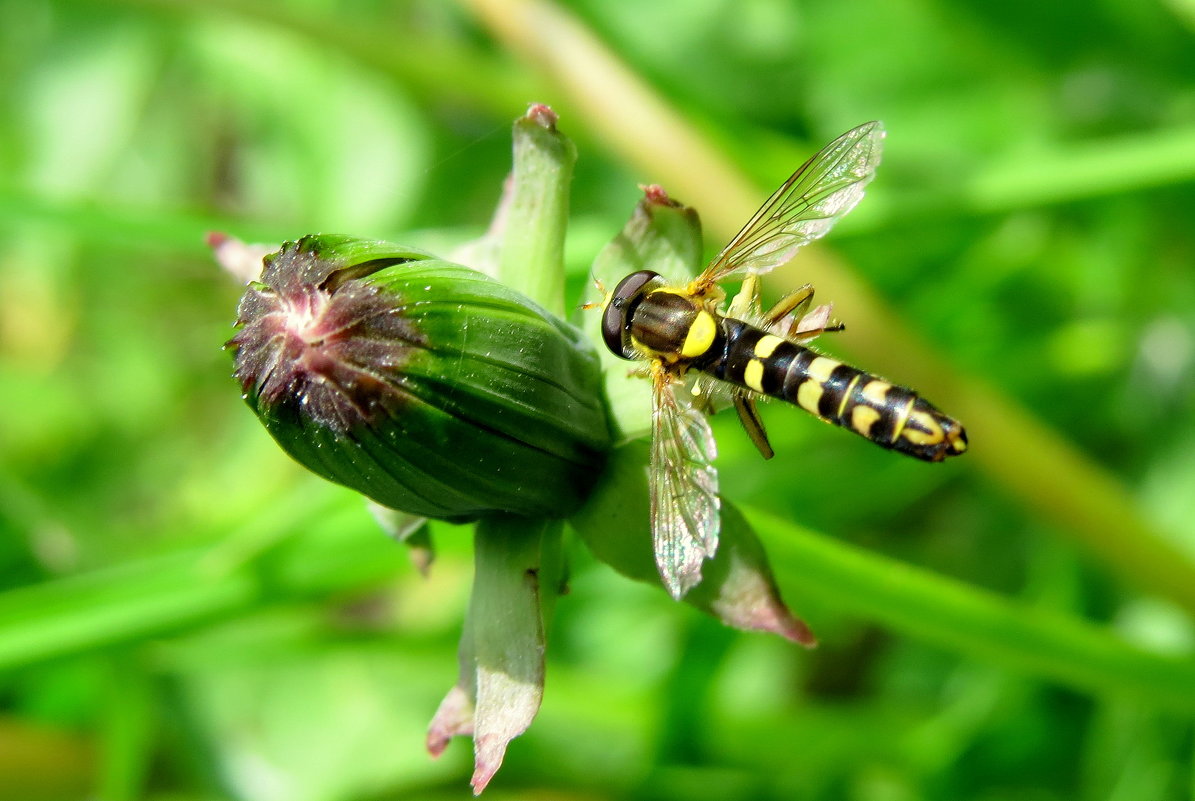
426	386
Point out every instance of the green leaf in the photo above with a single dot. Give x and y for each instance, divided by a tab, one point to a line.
971	621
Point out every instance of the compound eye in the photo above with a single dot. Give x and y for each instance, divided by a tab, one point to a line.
613	326
616	317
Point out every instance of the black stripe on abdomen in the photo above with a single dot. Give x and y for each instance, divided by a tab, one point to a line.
846	396
889	415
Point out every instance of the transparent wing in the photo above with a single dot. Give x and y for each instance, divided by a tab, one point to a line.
684	488
804	207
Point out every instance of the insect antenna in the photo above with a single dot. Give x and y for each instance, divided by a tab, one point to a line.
597	304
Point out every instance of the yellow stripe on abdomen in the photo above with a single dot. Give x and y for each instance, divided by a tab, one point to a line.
753	375
767	345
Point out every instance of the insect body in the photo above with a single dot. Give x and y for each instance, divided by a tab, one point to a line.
646	317
677	329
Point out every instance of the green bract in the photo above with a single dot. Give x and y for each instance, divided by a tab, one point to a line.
425	385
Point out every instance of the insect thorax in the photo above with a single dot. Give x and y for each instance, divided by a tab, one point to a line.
671	325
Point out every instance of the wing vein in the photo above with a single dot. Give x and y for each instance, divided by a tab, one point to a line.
805	206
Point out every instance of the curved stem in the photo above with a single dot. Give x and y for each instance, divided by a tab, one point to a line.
1030	461
969	620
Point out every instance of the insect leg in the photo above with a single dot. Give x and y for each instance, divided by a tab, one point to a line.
813	324
753	424
745	305
790	316
795	303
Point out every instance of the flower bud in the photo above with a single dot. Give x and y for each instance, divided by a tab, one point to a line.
424	385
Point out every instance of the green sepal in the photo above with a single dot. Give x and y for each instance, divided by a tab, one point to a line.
536	215
662	234
737	584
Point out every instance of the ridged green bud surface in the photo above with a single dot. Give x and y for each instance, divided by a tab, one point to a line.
425	385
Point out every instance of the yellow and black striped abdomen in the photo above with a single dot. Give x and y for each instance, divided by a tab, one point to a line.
891	416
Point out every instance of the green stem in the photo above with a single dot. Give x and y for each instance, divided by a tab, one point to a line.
1051	476
110	607
971	621
1092	169
182	591
171	595
127	730
437	70
1144	160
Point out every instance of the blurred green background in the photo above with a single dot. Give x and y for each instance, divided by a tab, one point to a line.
185	614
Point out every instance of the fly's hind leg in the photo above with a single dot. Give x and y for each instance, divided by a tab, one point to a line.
795	303
791	318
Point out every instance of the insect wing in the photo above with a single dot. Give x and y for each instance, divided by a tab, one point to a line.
805	206
684	489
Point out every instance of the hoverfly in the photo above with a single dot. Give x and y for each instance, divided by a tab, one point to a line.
678	329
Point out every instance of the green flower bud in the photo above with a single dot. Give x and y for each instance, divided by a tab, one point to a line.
424	385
